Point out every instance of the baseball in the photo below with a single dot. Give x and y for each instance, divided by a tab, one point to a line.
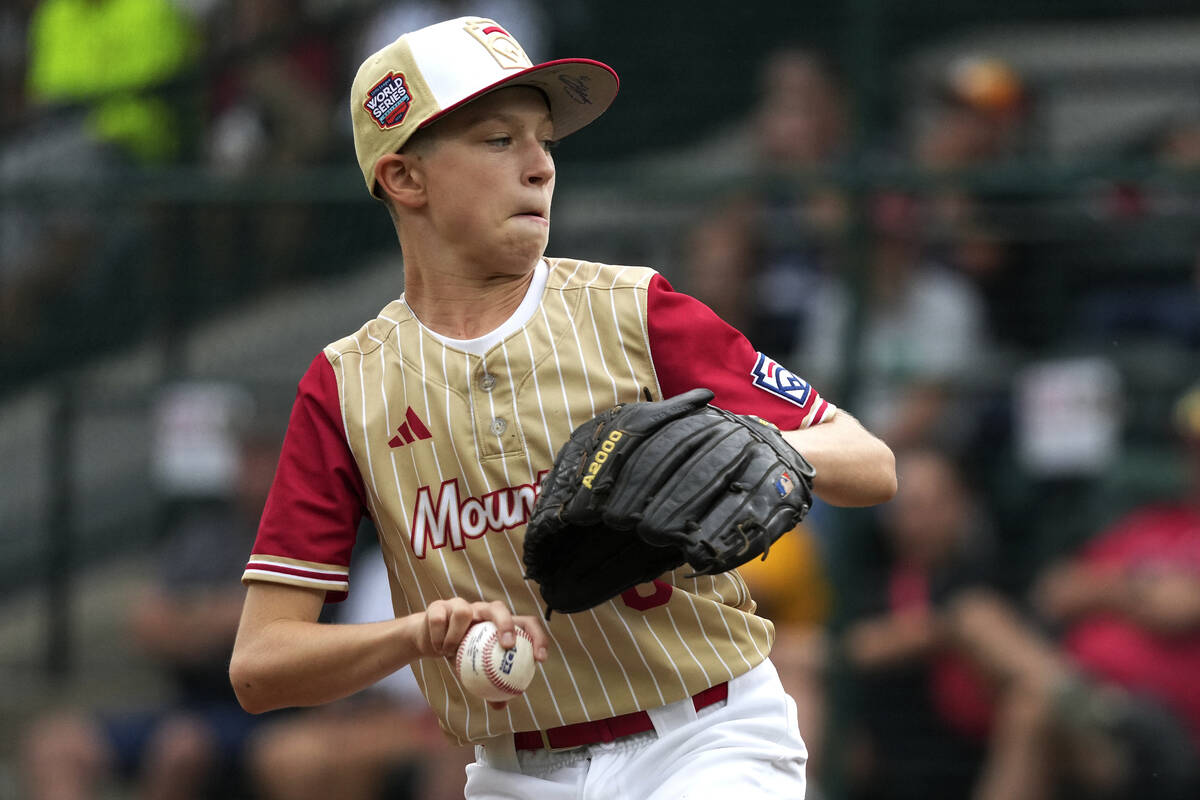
489	671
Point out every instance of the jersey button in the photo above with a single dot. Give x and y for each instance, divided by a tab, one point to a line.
487	382
499	425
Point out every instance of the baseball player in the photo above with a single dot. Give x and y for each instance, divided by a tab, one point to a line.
439	417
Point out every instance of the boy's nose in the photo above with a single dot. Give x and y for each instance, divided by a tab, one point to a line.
541	169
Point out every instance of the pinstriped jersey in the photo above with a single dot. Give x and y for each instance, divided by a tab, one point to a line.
445	450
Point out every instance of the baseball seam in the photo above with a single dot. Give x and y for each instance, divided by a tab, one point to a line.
492	675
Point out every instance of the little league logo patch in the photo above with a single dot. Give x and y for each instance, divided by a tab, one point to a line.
771	377
388	101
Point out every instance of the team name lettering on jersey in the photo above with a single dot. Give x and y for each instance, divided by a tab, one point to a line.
452	520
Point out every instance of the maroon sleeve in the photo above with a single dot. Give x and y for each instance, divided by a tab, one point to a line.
317	500
691	346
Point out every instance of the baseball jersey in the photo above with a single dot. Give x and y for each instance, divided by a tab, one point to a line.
445	450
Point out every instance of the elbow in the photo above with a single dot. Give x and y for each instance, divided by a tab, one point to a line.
247	682
886	482
871	481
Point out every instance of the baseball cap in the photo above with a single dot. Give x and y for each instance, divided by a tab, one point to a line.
429	72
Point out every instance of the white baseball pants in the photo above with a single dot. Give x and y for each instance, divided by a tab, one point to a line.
746	747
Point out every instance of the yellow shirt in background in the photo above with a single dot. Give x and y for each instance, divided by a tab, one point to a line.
109	50
790	586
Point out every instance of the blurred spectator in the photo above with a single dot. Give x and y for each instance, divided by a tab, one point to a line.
47	249
185	619
1179	145
1159	300
753	257
1128	603
982	111
792	590
14	45
980	121
274	106
722	256
921	333
925	712
19	269
1110	710
770	260
381	742
109	55
1062	729
800	121
272	109
87	108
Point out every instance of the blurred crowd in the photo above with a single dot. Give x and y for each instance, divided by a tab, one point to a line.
215	449
1021	622
231	93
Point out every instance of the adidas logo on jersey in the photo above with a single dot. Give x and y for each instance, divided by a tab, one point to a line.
411	430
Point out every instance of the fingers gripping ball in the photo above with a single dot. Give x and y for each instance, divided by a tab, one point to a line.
645	487
490	671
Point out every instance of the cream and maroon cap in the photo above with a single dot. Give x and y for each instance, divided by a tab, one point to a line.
427	73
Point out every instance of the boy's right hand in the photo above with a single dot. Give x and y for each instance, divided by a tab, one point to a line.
446	622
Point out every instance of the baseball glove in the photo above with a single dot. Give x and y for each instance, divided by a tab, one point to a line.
642	488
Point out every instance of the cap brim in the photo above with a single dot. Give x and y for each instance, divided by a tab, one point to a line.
578	89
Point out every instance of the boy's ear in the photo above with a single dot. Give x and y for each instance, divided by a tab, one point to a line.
399	176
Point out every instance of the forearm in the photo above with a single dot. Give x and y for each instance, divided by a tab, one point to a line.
1166	603
888	641
854	467
310	663
283	659
988	630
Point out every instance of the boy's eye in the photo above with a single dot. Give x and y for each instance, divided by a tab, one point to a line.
549	144
500	140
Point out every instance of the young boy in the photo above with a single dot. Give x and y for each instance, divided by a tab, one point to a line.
439	417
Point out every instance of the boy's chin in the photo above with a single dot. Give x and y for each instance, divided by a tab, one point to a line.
520	256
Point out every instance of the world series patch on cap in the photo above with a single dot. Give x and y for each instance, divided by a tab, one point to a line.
427	73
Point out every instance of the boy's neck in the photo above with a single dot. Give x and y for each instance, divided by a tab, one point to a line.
465	308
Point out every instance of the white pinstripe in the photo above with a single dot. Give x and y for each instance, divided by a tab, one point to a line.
496	567
517	556
537	390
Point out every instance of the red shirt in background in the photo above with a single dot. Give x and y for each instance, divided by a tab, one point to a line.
1110	646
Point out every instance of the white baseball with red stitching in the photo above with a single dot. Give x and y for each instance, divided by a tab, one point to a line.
488	670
